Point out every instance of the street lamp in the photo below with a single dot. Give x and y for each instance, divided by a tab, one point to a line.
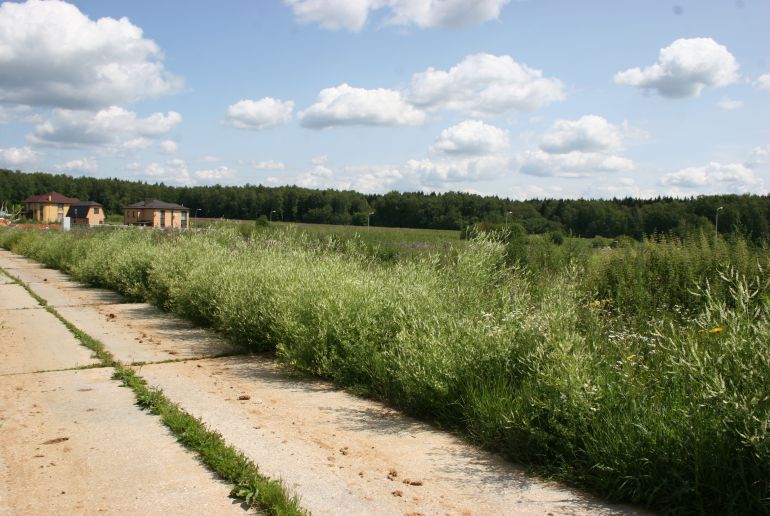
716	225
367	219
506	217
271	215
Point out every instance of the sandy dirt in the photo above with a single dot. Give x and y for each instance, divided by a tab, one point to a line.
341	454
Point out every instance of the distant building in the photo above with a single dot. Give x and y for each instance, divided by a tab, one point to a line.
86	213
48	208
157	214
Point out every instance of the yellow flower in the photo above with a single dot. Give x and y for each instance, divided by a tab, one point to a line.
716	330
630	357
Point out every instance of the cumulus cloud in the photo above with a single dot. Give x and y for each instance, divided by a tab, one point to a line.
729	104
715	178
484	85
259	114
18	156
108	126
763	82
684	68
571	164
577	148
353	14
168	147
589	133
268	165
78	165
471	137
173	171
468	151
51	54
346	105
319	176
216	174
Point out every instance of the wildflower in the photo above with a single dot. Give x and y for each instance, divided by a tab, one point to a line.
630	357
718	329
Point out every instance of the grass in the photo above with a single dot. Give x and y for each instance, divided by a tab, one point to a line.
599	366
252	487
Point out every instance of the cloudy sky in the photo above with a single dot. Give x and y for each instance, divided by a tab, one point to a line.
517	98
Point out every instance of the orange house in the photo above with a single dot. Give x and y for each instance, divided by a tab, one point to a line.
86	213
48	207
157	214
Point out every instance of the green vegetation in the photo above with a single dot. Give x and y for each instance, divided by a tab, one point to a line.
748	215
638	370
231	465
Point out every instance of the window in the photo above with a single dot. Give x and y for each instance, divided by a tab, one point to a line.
96	211
163	218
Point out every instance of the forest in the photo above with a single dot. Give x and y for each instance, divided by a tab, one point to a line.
748	215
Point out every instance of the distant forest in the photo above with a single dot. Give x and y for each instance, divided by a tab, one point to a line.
748	214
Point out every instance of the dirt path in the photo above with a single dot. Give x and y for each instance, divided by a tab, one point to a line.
73	441
341	454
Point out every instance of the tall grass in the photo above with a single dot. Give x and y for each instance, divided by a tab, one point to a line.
586	368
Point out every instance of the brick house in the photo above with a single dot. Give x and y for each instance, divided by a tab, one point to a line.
86	213
157	214
48	208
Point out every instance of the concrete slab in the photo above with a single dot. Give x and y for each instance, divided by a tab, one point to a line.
9	260
32	275
34	340
74	442
346	455
14	297
70	293
5	280
139	332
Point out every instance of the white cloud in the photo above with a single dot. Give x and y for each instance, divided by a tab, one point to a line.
484	85
353	14
53	55
268	165
589	133
173	172
216	174
445	13
18	156
346	105
78	165
319	176
259	114
571	164
716	178
763	82
577	148
684	68
168	147
108	126
480	168
471	137
729	104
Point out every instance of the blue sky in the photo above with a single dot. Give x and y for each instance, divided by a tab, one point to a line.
522	99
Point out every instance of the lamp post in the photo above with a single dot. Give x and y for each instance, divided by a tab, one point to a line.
506	217
196	216
271	215
368	216
716	225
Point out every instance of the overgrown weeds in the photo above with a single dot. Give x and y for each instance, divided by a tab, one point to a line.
640	371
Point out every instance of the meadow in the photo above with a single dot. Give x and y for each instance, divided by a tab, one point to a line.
639	370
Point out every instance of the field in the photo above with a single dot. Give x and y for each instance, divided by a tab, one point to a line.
637	370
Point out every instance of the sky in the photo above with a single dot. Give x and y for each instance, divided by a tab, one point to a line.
514	98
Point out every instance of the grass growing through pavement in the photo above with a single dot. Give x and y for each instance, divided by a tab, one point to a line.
639	372
231	465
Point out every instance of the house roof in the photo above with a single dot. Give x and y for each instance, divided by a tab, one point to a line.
156	204
80	209
55	197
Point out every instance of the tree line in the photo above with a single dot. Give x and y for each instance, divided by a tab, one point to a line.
748	214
